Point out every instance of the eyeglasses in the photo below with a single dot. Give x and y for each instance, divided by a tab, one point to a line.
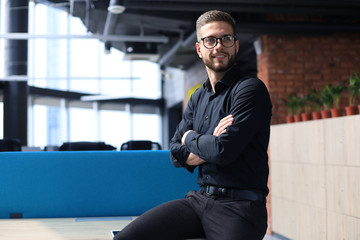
211	42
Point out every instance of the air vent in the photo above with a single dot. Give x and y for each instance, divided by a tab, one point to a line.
141	51
141	56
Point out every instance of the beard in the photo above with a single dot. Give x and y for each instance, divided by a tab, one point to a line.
220	67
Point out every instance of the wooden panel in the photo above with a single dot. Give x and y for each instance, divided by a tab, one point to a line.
297	142
342	227
342	138
315	179
343	190
298	221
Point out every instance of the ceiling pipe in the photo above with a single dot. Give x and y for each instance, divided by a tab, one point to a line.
191	39
113	38
115	8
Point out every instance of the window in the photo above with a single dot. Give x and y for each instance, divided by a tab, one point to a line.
81	65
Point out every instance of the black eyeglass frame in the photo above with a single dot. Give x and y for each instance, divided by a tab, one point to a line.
218	38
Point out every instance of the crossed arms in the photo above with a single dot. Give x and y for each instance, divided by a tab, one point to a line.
194	160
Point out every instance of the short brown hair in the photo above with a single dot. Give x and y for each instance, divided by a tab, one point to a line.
214	16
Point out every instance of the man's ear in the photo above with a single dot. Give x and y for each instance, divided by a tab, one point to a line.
237	46
198	49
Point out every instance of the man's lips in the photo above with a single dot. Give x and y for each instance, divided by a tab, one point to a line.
219	56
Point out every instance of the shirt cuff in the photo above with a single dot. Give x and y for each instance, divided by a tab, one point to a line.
191	135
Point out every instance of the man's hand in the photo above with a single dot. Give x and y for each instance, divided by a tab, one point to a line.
223	124
194	160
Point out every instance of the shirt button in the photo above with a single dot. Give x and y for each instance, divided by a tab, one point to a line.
207	117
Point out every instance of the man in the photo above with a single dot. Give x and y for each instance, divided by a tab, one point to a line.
225	133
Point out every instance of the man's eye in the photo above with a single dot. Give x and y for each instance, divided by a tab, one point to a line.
210	40
227	38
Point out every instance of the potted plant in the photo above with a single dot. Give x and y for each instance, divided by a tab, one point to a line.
354	92
315	103
297	108
327	101
306	106
290	103
335	92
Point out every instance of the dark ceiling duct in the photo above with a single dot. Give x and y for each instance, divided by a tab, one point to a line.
115	8
152	29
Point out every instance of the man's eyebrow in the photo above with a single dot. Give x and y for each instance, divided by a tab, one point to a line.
221	36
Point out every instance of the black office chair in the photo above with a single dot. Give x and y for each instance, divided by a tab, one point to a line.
140	145
10	145
85	146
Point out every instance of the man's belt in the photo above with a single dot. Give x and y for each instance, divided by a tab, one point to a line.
233	193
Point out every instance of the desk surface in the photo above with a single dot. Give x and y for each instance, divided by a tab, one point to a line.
61	228
65	228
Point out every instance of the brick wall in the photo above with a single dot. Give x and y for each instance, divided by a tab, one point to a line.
290	64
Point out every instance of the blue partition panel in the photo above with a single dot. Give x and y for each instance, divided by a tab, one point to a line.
88	183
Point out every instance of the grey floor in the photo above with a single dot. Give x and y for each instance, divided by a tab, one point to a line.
275	237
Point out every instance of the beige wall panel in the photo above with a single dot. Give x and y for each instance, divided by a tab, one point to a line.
285	139
352	140
342	227
343	190
315	179
281	143
334	141
291	218
307	140
342	138
312	189
311	223
284	219
283	180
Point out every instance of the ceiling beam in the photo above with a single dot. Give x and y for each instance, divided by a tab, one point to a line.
197	6
115	38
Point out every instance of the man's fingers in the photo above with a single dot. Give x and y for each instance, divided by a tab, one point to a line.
223	124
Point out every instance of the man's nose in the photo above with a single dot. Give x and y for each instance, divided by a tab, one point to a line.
218	43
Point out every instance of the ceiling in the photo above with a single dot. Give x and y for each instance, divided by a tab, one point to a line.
164	30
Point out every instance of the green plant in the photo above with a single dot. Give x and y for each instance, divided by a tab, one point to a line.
314	98
326	99
293	104
353	88
335	93
305	103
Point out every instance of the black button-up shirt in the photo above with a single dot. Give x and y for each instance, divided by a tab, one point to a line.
237	158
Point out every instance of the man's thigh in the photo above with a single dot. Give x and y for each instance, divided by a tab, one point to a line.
235	220
172	220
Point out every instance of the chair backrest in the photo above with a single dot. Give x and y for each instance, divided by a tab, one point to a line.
10	145
85	146
140	145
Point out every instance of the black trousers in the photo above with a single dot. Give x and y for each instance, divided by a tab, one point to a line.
200	216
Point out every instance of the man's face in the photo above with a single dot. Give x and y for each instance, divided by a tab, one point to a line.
219	58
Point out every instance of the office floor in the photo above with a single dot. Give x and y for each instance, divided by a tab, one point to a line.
65	228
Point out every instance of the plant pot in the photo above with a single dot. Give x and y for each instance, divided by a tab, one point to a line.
289	119
316	115
325	114
335	112
305	116
297	118
350	110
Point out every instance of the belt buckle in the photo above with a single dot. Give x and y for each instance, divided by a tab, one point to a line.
223	191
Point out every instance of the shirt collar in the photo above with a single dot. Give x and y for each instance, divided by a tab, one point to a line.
230	77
